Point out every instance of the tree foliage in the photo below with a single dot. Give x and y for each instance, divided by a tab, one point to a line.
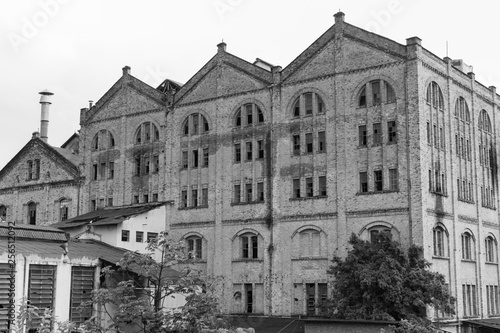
133	295
381	281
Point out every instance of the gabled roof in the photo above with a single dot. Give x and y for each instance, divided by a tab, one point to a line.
169	85
348	31
28	231
62	157
223	57
126	80
75	135
107	215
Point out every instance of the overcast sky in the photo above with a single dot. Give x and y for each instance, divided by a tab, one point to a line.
76	49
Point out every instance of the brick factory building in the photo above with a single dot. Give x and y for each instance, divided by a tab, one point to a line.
267	170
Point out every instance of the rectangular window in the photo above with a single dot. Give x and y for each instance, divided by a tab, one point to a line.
30	170
248	192
196	124
101	203
139	236
204	197
492	300
111	170
37	169
136	199
147	165
195	158
137	165
296	144
156	163
260	192
249	150
429	133
249	247
363	182
237	193
377	134
82	284
378	181
145	198
391	97
205	157
185	160
463	147
93	204
309	143
184	198
147	132
94	171
125	235
296	188
42	279
363	139
249	110
151	236
155	197
468	150
102	170
393	179
322	185
237	152
248	298
321	142
110	202
194	198
376	93
308	103
436	139
260	146
457	145
392	131
469	300
441	137
309	187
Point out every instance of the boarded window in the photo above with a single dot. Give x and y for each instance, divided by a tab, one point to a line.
82	284
41	288
4	295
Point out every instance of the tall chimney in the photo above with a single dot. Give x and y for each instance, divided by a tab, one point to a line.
44	121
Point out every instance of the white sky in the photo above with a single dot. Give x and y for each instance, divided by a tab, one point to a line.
76	49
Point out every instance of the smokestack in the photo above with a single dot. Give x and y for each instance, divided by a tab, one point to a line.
44	121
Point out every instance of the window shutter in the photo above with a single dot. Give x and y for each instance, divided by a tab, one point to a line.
41	288
82	284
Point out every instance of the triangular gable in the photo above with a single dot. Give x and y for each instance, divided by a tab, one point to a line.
128	95
238	76
14	174
358	49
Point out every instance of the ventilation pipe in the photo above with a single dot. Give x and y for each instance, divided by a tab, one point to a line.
44	121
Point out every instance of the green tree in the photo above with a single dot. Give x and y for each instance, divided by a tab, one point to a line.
379	280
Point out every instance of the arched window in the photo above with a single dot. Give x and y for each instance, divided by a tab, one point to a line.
147	132
32	213
462	109
490	249
3	213
103	140
468	246
310	243
249	246
63	209
435	95
195	124
376	231
307	104
379	91
194	246
248	114
440	237
484	123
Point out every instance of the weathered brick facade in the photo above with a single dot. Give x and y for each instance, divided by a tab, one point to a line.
358	134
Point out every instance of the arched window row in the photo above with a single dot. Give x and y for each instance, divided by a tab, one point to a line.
103	140
440	240
435	96
490	249
484	122
147	132
195	124
376	92
248	114
462	109
468	246
307	104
